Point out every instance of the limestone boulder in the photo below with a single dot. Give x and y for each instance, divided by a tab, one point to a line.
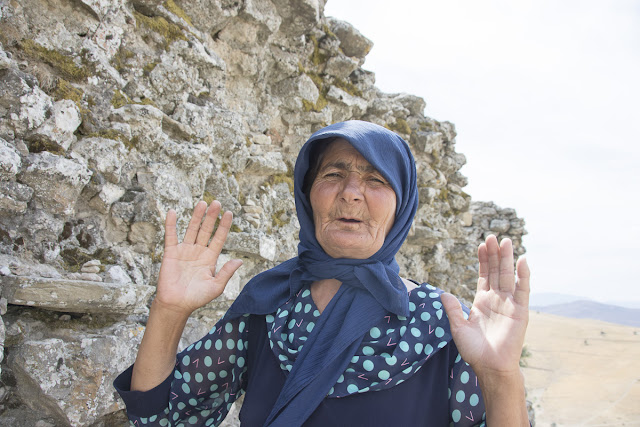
252	244
104	155
14	197
10	161
56	181
76	296
352	42
23	105
70	379
299	16
341	66
58	130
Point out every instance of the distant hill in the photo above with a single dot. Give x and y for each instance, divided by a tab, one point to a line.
552	298
593	310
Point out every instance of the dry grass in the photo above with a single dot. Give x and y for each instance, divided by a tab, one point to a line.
583	372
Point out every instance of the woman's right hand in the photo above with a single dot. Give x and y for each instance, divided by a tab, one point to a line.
188	279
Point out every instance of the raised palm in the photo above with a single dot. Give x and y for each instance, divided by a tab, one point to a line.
491	339
188	278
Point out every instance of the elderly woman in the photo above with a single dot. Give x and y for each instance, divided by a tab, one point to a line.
334	336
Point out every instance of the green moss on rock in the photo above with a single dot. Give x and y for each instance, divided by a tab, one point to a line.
169	31
400	126
119	100
64	64
208	197
147	69
116	136
348	87
276	220
282	178
317	57
40	145
177	10
120	59
74	258
65	90
425	126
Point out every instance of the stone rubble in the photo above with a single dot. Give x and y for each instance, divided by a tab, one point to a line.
113	112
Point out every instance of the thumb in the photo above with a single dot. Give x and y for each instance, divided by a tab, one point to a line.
454	311
227	270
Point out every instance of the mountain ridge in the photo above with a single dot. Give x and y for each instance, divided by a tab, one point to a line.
587	309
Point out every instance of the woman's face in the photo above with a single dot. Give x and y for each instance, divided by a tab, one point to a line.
353	204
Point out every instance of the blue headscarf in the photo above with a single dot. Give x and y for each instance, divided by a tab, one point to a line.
371	288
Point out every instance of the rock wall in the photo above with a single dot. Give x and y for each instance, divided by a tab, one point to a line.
112	112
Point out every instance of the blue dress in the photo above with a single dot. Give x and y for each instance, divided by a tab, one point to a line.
406	372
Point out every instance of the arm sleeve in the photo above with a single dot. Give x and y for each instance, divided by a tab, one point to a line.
207	379
466	406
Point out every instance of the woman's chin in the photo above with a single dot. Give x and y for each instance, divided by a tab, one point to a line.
355	248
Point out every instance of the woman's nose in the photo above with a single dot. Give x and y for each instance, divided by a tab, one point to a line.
352	188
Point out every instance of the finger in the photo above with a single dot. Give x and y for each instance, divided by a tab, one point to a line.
493	254
523	289
453	308
483	272
204	233
507	280
221	233
228	270
170	232
194	224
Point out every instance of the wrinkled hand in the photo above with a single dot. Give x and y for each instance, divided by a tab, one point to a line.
491	339
188	278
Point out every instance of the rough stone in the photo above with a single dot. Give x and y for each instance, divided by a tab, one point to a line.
118	275
499	225
341	66
104	155
58	130
352	42
252	244
14	197
75	296
57	376
270	163
56	181
10	161
357	104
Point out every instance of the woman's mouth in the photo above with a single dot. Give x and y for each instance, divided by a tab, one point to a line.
349	220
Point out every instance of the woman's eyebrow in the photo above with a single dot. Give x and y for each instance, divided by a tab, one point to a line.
347	166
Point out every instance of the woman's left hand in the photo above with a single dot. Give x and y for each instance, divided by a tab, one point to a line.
491	339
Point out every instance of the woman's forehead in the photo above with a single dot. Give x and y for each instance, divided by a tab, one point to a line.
341	154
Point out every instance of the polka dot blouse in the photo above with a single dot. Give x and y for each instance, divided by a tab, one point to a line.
210	374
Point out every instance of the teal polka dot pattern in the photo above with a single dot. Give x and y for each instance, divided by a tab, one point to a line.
391	352
209	373
368	351
473	400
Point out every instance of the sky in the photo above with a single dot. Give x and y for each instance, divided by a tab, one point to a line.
545	99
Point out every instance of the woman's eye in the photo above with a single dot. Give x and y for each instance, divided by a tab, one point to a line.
377	180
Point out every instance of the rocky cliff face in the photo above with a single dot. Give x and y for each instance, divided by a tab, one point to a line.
114	111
